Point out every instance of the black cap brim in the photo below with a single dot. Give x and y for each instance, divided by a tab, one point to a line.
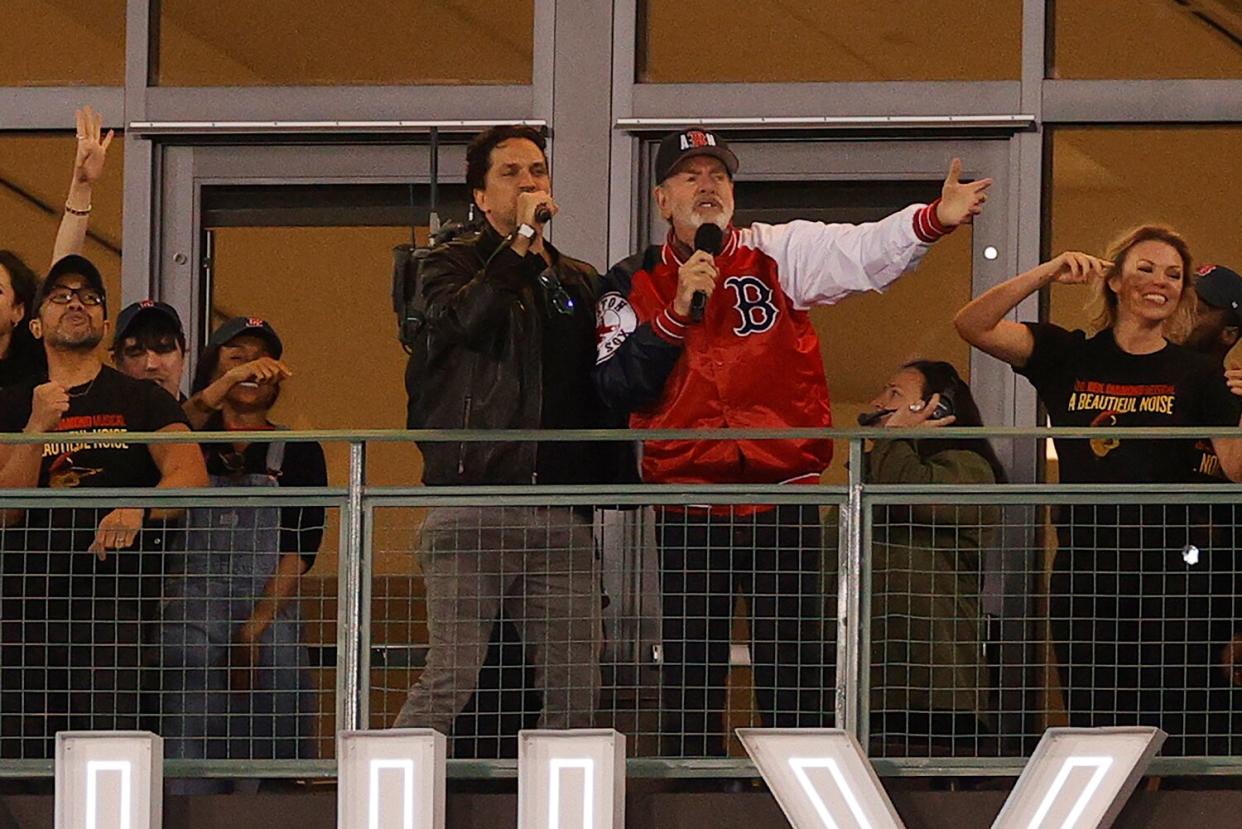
133	314
238	326
72	265
723	154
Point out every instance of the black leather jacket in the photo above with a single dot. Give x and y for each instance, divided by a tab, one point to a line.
479	364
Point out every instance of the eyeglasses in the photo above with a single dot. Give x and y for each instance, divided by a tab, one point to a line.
87	296
555	294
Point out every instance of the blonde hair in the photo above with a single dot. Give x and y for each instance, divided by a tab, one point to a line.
1102	306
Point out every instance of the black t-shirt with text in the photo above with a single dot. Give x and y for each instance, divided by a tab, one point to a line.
110	404
1091	381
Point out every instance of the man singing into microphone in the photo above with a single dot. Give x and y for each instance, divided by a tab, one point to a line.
751	360
509	344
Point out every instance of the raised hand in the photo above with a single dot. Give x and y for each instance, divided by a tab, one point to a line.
49	403
918	414
697	274
960	203
262	370
1074	268
88	165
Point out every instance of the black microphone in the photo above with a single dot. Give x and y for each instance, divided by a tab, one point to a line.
543	214
872	418
709	238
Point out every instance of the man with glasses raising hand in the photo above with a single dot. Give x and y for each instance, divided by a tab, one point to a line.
72	586
508	343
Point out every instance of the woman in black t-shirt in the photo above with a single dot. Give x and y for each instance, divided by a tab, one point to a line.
1127	588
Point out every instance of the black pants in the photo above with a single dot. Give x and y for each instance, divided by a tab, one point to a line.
707	562
1138	629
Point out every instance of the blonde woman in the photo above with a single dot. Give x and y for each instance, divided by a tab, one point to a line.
1124	583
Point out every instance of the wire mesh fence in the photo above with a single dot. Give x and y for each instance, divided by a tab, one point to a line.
672	625
943	624
992	619
215	627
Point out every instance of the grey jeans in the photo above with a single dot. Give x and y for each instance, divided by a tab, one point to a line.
539	564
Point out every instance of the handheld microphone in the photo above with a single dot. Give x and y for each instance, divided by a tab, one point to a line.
709	238
543	214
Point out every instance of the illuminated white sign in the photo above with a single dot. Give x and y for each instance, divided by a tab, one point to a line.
1100	764
393	779
1080	778
124	812
109	780
587	766
801	764
571	779
406	767
793	762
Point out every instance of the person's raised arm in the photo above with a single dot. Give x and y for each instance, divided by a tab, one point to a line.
199	408
982	321
88	166
821	264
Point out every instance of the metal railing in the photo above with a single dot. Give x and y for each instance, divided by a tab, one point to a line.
860	521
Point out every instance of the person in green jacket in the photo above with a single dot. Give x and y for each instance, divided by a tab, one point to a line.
928	672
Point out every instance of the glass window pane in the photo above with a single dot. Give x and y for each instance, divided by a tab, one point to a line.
301	296
1146	39
1107	180
725	41
34	178
292	42
58	43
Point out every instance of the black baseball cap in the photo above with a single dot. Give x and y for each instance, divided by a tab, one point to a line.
147	309
71	265
255	326
210	358
1220	287
679	146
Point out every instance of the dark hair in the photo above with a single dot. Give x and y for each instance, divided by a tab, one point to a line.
25	287
203	374
942	378
151	333
479	153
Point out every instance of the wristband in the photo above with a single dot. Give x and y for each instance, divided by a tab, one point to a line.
526	232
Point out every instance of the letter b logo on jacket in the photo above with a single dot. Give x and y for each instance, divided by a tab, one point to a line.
753	300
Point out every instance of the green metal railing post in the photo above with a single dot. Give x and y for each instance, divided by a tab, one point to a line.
849	553
350	658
